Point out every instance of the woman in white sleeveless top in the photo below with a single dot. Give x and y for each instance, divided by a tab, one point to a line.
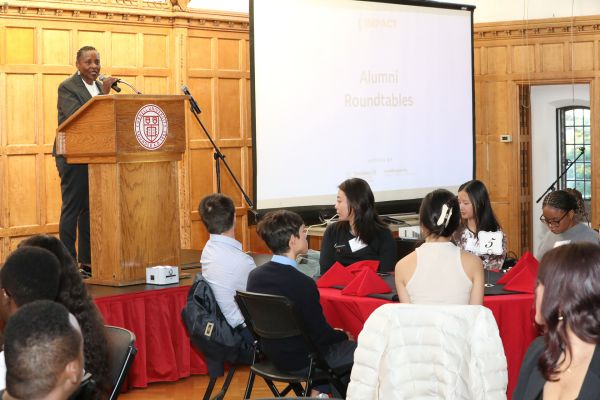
438	272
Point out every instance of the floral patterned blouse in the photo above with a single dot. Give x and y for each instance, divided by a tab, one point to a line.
468	241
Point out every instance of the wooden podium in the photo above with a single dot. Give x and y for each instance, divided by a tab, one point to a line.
132	144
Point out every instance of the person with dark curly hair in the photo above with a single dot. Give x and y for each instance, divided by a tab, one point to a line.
29	274
439	272
565	362
560	211
44	353
73	294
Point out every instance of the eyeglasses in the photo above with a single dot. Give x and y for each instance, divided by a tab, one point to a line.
554	222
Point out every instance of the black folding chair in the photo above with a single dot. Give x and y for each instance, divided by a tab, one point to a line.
274	317
121	346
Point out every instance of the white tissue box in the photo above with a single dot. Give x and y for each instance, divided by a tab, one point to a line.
162	275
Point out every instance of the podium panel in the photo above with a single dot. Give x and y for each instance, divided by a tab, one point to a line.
133	187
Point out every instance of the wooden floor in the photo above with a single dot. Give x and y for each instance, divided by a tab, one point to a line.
194	386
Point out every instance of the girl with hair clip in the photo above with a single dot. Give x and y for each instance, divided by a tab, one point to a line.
565	362
360	234
439	272
560	212
478	223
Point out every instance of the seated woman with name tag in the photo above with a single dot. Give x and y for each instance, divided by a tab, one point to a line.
479	232
360	234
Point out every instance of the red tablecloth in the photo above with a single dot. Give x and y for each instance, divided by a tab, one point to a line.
513	313
164	351
165	354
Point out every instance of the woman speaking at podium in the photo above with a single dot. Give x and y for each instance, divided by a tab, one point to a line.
73	93
360	234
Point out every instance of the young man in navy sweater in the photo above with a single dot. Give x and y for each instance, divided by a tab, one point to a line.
284	233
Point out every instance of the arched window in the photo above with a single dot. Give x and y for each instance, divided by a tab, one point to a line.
574	134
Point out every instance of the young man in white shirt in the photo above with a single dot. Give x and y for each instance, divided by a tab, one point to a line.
224	265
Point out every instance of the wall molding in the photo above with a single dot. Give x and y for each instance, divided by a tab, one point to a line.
537	28
127	12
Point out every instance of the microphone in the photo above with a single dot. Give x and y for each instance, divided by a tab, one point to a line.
114	86
193	103
582	149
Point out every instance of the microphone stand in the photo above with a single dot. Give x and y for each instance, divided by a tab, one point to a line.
551	187
217	155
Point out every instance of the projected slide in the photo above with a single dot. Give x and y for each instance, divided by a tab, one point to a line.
347	88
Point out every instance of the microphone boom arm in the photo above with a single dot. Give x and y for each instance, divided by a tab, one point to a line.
551	187
130	85
114	86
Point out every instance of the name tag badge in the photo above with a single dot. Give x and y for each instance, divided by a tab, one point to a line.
209	329
560	243
356	244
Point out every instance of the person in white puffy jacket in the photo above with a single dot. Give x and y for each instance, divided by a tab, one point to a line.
408	351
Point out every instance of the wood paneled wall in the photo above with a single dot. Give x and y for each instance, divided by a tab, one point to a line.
510	57
154	46
157	47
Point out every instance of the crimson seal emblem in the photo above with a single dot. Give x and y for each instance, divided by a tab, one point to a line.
151	127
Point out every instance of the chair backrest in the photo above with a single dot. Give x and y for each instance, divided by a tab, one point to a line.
122	351
275	317
269	316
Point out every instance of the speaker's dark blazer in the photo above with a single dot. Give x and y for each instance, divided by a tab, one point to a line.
74	215
531	381
72	94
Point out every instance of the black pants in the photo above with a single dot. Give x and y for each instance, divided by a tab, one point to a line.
75	210
340	357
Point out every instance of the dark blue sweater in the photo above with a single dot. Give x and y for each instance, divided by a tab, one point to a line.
291	354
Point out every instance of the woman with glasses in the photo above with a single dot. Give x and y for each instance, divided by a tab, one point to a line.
559	213
476	215
565	362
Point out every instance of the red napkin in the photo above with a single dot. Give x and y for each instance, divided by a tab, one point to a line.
525	280
365	283
337	275
360	266
525	260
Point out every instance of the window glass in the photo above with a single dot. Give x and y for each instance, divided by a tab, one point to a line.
574	134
